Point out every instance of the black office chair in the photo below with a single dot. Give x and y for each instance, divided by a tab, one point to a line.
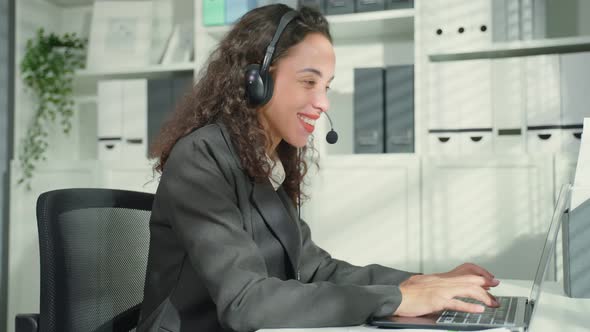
93	247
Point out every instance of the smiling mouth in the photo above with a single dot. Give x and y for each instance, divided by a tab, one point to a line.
308	124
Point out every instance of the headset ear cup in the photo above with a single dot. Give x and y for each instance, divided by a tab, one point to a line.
255	89
269	88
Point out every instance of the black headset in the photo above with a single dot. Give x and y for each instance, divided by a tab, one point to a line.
259	84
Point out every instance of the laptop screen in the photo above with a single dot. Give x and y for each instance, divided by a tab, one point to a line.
561	208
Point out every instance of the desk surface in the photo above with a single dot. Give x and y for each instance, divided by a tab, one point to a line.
556	312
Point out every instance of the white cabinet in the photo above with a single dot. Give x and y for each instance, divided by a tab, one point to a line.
574	95
543	109
491	211
414	212
460	113
366	209
134	176
458	100
565	170
508	105
466	23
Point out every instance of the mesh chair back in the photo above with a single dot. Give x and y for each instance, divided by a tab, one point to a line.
93	251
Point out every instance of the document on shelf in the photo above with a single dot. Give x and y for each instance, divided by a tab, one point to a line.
582	177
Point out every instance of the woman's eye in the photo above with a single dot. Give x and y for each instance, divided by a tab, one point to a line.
328	88
310	83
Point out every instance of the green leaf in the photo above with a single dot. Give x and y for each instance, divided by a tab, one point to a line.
47	69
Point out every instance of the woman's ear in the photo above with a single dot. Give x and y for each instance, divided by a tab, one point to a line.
272	69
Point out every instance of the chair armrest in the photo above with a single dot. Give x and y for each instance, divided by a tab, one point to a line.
26	323
123	322
128	319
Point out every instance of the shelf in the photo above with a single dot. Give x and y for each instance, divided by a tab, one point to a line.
153	70
394	22
518	49
57	165
217	32
374	159
86	79
71	3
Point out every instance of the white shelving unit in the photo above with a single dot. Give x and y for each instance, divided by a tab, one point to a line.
70	3
387	23
517	49
357	25
370	39
492	208
71	160
382	38
410	190
134	72
85	81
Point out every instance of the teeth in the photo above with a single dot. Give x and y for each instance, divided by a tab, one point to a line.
307	120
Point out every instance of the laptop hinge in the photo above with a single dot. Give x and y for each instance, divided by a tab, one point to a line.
530	305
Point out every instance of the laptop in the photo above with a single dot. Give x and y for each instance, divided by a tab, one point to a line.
514	313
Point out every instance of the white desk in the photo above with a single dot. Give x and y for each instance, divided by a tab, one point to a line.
556	312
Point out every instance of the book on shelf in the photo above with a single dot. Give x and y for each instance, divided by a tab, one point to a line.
162	28
179	48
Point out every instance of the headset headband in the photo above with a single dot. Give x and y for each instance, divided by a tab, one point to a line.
285	19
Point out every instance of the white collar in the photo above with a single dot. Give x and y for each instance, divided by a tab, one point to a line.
277	173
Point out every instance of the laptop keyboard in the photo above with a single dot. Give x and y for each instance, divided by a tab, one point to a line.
503	315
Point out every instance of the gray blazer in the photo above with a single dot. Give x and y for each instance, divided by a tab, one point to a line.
229	254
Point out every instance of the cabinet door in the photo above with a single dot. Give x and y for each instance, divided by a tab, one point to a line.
460	98
135	176
467	24
433	25
365	209
565	169
492	211
508	104
543	103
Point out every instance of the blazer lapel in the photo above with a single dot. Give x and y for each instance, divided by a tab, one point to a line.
277	214
287	203
277	217
228	142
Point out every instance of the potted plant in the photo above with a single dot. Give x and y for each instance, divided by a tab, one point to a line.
47	69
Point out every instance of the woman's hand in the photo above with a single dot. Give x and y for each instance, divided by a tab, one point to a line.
424	294
472	269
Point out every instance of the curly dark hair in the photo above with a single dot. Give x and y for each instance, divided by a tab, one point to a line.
220	93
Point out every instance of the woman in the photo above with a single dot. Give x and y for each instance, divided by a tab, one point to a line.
228	251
